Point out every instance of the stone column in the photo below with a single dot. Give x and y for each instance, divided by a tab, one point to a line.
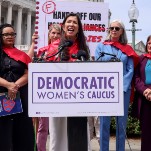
9	13
0	10
19	23
96	0
29	27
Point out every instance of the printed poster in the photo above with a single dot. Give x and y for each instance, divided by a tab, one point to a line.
63	89
94	17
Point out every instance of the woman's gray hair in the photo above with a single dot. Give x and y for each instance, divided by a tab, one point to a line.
123	37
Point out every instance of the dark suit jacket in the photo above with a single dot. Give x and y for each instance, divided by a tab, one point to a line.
139	83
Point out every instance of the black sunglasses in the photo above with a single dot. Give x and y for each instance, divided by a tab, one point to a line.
115	28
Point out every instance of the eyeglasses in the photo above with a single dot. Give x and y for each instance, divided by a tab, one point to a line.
115	28
9	34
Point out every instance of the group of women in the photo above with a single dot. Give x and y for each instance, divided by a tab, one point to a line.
70	134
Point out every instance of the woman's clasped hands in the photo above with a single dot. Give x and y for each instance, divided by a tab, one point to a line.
147	94
12	90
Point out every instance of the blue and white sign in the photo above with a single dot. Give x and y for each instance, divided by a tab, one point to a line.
76	89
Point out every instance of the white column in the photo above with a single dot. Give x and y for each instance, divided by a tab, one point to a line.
96	0
29	27
0	10
9	13
19	23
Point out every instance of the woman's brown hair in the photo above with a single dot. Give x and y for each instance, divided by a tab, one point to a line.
81	40
148	38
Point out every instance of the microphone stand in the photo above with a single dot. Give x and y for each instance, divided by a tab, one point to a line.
41	59
61	54
67	43
60	51
113	59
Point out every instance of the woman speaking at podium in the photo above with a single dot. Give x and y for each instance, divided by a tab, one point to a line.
66	133
115	48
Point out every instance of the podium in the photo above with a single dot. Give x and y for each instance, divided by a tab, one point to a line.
76	90
61	89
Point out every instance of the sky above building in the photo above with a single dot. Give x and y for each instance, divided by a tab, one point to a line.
119	10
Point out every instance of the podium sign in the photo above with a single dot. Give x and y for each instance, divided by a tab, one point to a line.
75	89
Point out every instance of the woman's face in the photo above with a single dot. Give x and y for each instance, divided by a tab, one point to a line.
149	46
116	31
54	34
8	36
71	27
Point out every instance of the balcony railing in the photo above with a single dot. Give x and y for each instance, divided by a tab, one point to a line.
22	47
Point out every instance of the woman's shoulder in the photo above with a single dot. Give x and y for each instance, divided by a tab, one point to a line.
43	48
141	57
99	46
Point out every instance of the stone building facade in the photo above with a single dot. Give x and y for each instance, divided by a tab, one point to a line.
21	14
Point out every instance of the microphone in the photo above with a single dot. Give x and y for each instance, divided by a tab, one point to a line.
74	56
82	55
42	55
67	43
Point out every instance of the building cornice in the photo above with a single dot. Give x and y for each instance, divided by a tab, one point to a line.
23	3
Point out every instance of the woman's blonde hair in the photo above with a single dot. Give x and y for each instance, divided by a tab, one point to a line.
123	37
55	26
